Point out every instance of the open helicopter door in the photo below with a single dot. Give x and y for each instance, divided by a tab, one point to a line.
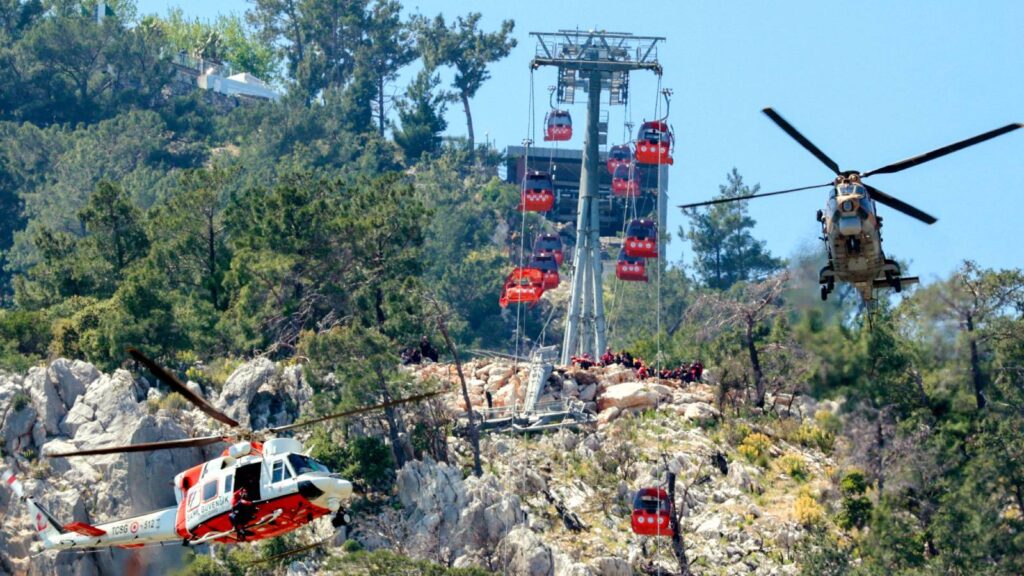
248	476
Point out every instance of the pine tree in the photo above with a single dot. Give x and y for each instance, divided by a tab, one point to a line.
725	250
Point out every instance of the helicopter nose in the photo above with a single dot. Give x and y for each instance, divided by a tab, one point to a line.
334	487
329	486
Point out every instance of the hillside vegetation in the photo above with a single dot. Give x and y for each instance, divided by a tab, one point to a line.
335	227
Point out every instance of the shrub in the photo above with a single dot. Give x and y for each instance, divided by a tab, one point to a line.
794	466
855	508
807	511
755	448
365	461
173	402
351	546
20	401
853	484
814	436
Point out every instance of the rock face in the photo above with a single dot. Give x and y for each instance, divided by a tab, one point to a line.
523	552
445	516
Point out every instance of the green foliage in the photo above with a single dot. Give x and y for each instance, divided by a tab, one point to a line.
855	508
724	249
365	461
794	466
20	401
421	114
813	435
24	337
226	39
821	554
351	546
467	49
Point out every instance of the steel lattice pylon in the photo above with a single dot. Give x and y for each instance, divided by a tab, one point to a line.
592	61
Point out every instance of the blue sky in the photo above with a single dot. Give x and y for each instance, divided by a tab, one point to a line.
870	82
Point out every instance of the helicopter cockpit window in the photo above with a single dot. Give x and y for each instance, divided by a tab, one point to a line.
848	189
279	472
304	464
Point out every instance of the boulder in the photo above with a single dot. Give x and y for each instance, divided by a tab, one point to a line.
608	415
628	395
523	553
612	566
711	527
588	392
744	477
698	412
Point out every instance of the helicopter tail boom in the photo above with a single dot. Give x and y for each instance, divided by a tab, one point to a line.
154	527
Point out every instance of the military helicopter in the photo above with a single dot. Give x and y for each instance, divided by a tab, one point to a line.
850	225
285	488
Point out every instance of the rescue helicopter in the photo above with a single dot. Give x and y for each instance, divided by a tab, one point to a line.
282	488
850	224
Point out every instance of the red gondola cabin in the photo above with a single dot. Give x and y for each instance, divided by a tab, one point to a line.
641	239
549	244
630	269
620	155
546	263
523	285
625	181
652	513
654	143
558	126
538	192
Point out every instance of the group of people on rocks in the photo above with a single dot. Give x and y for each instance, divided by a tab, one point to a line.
692	372
416	354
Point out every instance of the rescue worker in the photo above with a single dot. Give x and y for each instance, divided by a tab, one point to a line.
428	350
242	512
696	371
607	358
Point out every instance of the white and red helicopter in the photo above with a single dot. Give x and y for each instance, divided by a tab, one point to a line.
285	488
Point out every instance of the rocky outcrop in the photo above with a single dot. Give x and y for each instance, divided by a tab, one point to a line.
522	552
444	515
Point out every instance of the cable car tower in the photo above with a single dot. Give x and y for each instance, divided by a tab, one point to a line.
593	61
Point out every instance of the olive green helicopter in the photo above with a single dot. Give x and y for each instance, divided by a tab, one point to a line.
850	224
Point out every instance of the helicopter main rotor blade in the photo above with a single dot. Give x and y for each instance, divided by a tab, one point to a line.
355	411
883	198
940	152
796	135
143	447
749	196
180	388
